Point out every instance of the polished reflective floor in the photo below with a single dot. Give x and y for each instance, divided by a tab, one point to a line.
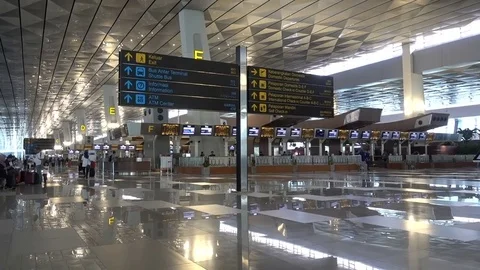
379	220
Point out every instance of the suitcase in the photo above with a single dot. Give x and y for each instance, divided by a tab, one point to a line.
29	178
22	176
37	179
92	172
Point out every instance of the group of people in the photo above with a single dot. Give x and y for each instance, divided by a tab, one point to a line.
8	171
212	154
86	165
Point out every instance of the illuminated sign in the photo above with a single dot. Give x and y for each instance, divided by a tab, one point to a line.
163	81
272	91
197	54
112	110
83	127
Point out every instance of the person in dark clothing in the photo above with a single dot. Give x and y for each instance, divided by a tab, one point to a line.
10	169
3	171
212	154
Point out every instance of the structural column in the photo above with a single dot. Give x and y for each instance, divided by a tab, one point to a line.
194	40
67	133
413	94
110	102
81	125
155	145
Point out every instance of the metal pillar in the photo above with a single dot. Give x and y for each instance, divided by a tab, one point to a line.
242	123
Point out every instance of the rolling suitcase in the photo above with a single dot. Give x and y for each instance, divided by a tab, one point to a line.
22	176
92	170
29	178
37	179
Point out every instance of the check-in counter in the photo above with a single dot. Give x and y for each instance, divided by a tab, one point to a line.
129	165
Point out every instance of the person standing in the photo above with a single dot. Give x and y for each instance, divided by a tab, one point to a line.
85	164
37	160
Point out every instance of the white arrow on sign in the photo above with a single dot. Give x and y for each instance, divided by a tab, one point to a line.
128	84
128	70
128	98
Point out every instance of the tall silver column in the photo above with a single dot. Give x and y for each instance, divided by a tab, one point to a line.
242	123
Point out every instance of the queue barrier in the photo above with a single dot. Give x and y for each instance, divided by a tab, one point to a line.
395	159
269	161
127	167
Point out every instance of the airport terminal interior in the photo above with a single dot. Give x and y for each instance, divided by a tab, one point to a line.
239	134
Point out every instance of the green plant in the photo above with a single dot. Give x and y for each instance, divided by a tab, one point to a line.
467	134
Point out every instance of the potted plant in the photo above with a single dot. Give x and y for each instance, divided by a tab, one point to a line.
467	134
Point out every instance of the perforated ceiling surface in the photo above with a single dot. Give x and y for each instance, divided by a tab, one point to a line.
56	54
446	87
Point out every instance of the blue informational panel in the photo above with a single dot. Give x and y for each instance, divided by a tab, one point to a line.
163	81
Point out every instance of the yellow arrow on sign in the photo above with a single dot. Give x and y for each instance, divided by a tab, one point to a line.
254	71
254	107
254	83
128	56
254	95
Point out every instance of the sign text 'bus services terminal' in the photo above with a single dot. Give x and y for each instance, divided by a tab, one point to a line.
152	80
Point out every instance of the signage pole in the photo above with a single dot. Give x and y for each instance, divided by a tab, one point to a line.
242	123
242	162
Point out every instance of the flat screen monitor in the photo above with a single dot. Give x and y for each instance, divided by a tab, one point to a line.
234	131
131	147
106	147
206	130
123	147
97	147
413	136
354	134
386	135
281	132
295	132
188	130
222	131
395	135
319	133
253	131
333	134
267	132
365	134
189	215
422	136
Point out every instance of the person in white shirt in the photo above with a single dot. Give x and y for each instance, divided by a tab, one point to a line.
86	163
37	160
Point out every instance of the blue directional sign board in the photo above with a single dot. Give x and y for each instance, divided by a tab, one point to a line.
163	81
